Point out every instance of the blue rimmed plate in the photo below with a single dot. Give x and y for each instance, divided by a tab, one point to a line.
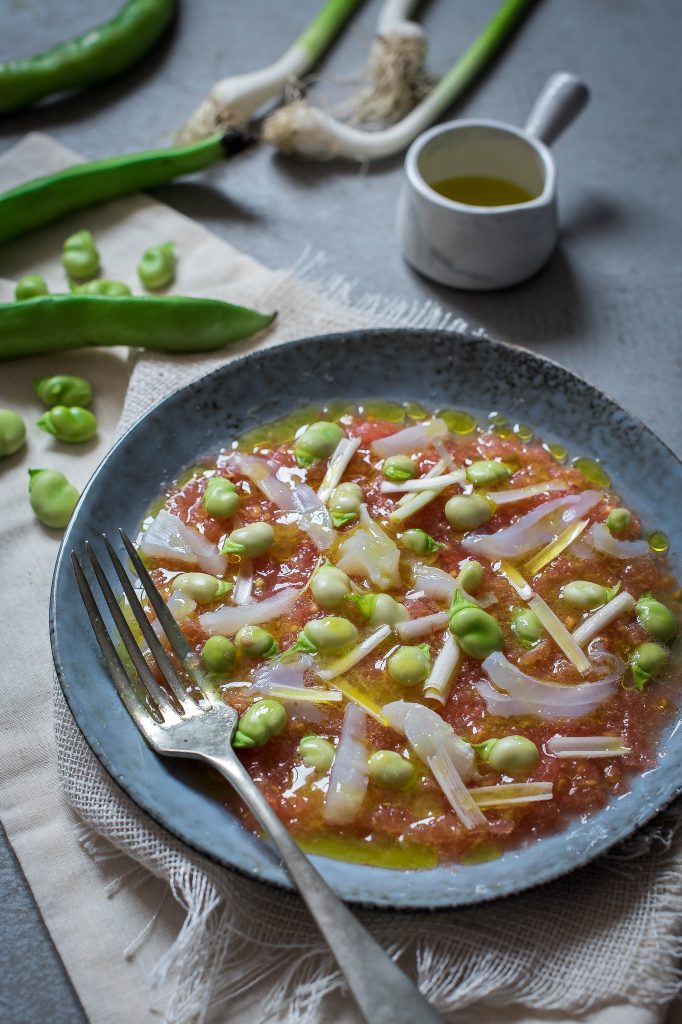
434	368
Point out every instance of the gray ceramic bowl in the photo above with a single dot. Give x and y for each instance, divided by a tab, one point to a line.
434	368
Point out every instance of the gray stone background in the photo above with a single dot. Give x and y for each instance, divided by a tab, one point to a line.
607	304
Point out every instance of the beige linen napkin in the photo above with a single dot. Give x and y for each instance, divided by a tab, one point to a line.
603	938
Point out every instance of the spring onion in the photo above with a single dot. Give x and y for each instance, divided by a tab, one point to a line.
510	793
395	70
409	504
558	632
586	746
424	483
410	440
361	699
356	654
514	577
233	101
338	463
229	619
450	758
414	628
524	493
437	685
603	617
309	132
349	775
167	537
555	548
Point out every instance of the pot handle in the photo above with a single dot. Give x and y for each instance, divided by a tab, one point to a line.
559	103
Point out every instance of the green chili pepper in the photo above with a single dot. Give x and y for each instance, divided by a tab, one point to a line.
156	269
42	200
30	286
102	287
56	323
99	54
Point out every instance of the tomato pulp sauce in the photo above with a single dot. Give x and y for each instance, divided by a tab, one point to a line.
417	827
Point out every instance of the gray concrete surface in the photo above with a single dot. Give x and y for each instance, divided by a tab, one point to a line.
607	305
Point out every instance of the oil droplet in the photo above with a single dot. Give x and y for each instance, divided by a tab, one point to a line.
384	409
523	431
402	854
481	853
502	430
459	422
497	417
658	542
416	411
557	451
592	470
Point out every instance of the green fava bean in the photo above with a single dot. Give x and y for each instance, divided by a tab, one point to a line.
80	257
256	642
52	497
316	752
103	287
329	586
201	586
478	633
63	389
470	576
467	511
658	620
389	770
156	269
330	633
410	666
399	468
486	471
251	541
317	441
618	520
420	542
646	661
511	755
69	423
30	286
262	721
381	609
345	503
12	432
527	627
220	499
218	654
584	595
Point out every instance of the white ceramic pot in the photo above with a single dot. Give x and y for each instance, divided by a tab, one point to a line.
486	247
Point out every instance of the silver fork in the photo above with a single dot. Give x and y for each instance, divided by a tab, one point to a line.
189	722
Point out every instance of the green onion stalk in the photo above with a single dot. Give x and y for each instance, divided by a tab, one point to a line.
233	101
307	132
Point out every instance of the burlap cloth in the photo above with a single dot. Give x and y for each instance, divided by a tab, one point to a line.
600	945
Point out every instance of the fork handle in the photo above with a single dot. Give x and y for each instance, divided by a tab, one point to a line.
383	993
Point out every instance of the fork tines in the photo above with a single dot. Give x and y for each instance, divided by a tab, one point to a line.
177	700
